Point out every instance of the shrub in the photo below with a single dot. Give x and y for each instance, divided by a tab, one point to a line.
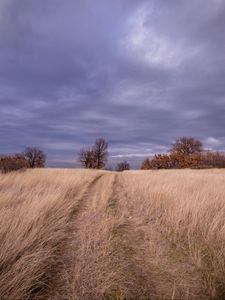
9	163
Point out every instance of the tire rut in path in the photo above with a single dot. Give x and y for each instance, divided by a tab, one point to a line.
131	281
53	282
86	253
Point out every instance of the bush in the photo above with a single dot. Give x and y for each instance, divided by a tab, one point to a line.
194	161
9	163
187	152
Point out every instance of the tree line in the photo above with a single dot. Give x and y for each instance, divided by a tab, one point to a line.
31	157
94	157
186	152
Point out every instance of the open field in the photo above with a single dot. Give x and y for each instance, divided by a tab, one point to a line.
82	234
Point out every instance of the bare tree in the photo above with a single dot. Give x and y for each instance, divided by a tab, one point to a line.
123	166
35	157
100	153
187	146
94	157
86	158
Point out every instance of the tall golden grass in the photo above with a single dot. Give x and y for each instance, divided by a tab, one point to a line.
82	234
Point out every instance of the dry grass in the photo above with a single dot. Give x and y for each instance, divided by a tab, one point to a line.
35	215
77	234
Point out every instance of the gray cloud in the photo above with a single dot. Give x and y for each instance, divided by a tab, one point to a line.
139	73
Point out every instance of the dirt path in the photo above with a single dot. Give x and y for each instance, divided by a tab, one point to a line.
86	254
91	243
100	261
113	254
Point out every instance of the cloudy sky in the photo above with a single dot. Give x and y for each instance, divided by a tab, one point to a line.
138	72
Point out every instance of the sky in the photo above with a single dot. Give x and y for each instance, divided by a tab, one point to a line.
139	73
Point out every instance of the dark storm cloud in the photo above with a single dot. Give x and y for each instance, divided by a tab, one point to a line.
139	73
